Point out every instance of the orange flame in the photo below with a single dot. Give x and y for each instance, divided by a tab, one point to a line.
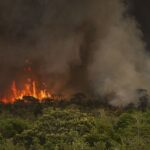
29	89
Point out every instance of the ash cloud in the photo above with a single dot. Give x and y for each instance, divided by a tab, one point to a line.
87	46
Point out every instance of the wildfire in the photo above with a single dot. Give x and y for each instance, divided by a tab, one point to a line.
30	88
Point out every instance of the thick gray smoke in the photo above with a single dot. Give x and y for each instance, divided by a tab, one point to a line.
76	46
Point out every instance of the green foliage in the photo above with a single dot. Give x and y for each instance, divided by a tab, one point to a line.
8	145
58	126
73	128
9	127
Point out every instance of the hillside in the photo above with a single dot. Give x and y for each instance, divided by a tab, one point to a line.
61	126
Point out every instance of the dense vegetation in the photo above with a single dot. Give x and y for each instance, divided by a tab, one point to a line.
75	125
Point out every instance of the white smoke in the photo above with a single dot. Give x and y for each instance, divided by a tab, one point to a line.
120	63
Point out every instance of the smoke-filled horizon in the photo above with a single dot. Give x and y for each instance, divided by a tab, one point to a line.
95	47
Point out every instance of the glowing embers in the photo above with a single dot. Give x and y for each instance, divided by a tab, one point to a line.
30	88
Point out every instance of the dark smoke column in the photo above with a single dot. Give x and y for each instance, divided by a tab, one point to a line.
79	72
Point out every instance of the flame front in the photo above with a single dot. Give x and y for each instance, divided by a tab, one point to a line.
29	89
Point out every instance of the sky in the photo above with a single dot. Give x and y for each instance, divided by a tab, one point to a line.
141	10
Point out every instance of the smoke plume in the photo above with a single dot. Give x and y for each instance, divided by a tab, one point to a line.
87	46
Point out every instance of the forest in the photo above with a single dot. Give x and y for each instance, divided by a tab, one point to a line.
78	124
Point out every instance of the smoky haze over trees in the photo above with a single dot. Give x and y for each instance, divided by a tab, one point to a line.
75	46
